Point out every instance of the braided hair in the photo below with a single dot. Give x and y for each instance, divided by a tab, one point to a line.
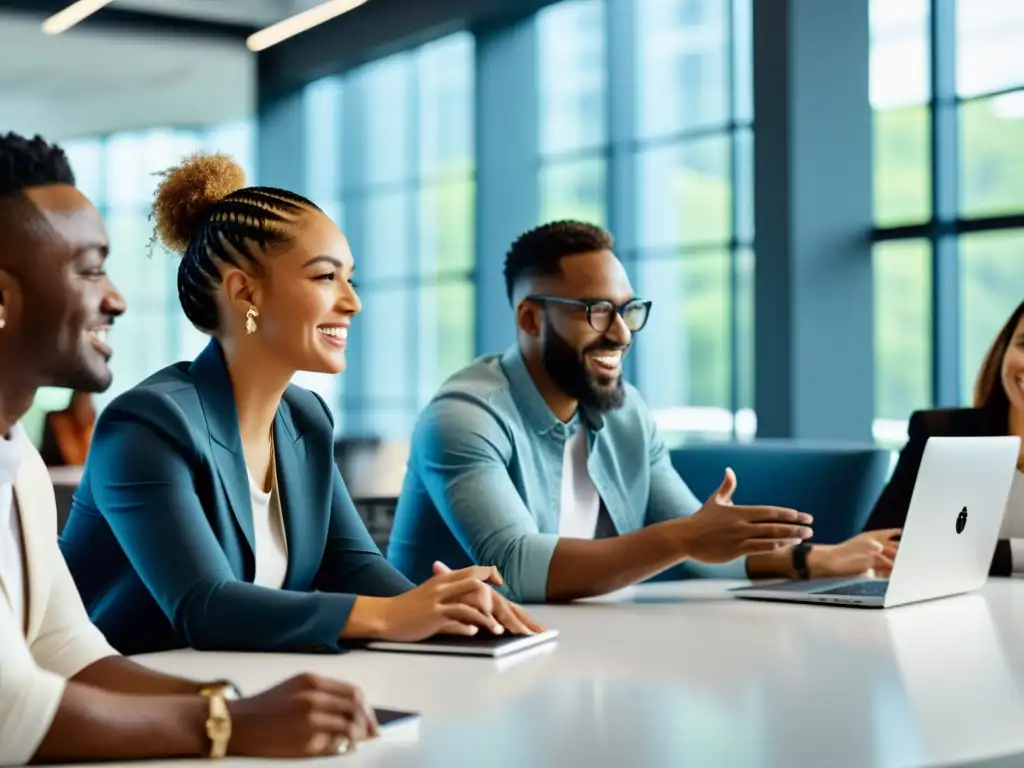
204	212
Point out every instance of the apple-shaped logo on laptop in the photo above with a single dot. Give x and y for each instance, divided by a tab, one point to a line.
961	520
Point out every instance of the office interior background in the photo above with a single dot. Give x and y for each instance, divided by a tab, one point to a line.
823	198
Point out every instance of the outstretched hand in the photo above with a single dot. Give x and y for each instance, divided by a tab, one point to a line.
721	531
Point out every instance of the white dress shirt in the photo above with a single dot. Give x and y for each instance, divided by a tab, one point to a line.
581	502
48	638
268	527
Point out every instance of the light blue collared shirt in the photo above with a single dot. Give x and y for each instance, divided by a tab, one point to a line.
484	480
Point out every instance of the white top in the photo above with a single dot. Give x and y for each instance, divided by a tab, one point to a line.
1013	523
580	500
268	527
47	639
12	561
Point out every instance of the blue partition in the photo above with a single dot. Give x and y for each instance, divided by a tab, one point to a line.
838	484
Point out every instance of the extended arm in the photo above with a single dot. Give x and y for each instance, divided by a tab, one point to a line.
463	455
43	718
92	724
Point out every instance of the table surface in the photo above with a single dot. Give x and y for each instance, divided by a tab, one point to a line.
684	674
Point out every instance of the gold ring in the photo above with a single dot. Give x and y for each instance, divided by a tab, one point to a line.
342	744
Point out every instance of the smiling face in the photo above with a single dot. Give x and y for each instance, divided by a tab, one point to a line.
1013	368
306	298
59	302
584	363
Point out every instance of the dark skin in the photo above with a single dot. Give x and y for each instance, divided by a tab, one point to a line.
55	298
56	302
720	531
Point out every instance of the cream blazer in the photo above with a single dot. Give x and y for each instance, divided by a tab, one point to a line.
60	641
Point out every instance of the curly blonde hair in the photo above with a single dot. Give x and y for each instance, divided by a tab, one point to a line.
204	212
187	194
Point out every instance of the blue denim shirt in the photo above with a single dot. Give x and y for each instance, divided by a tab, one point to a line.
484	480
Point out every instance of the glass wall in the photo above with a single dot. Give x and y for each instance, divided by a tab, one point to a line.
689	147
947	87
573	123
391	157
119	174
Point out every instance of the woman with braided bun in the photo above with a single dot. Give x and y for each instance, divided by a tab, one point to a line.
211	513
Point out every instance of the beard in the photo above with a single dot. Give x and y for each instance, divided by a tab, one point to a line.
569	371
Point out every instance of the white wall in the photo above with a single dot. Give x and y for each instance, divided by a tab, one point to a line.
88	81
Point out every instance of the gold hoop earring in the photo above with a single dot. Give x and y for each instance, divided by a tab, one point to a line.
250	320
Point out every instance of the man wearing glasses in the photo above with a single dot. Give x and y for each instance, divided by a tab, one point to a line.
543	462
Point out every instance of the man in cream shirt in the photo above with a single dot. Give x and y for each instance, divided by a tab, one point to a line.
65	695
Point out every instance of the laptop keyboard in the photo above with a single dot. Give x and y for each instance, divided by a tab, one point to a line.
859	589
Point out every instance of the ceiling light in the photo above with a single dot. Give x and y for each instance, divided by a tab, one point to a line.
74	13
300	22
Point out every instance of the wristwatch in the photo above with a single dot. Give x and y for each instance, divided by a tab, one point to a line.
800	560
218	724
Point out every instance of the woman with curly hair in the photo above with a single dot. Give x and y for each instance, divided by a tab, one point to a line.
211	513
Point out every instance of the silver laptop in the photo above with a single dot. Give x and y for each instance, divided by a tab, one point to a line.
950	534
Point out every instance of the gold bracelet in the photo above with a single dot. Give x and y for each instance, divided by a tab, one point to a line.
218	724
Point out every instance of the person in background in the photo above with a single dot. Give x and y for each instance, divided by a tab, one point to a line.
68	433
544	463
998	410
211	512
65	694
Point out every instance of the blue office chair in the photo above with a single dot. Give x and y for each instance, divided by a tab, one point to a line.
838	484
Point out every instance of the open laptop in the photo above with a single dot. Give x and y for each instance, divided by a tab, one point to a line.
946	546
484	644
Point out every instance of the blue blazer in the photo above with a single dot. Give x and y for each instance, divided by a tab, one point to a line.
160	536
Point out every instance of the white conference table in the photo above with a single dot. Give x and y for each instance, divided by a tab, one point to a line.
683	674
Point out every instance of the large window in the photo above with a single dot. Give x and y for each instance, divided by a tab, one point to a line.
694	213
572	89
947	87
119	174
390	156
688	147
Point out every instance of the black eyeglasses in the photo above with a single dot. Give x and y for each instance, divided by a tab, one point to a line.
601	312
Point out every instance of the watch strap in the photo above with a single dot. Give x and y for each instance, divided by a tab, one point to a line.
218	723
800	560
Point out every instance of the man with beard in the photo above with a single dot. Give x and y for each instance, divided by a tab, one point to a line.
65	694
545	463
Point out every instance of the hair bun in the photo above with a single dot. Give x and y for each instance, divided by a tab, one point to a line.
188	191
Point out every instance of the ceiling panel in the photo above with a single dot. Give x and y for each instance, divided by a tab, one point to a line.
92	80
255	13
